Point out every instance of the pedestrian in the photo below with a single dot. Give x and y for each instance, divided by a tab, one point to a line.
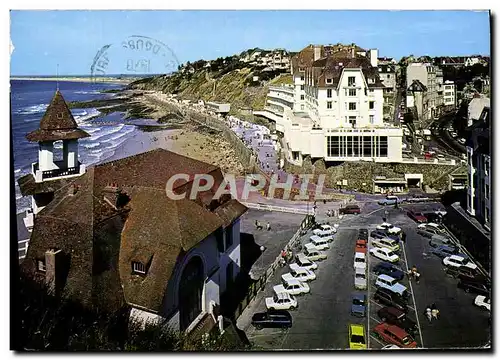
428	313
414	269
268	226
324	201
409	273
417	277
434	312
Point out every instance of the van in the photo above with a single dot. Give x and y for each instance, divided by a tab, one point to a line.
390	244
319	242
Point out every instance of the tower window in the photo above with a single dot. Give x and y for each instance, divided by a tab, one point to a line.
60	115
41	266
138	268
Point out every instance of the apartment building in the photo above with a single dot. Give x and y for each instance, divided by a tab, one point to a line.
450	93
479	169
335	108
432	78
387	75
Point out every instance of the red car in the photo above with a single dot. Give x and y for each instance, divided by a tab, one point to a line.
393	334
350	209
360	246
417	216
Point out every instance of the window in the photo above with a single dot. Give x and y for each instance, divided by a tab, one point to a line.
352	120
351	81
486	165
328	104
383	146
302	107
302	78
372	90
328	93
486	191
372	119
371	105
302	87
138	268
352	106
301	69
352	92
329	81
388	76
367	146
301	97
41	265
60	115
486	215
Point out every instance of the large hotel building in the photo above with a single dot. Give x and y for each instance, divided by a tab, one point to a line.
334	109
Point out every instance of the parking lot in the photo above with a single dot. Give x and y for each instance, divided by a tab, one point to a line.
323	316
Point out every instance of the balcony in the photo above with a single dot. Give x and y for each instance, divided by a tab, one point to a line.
60	172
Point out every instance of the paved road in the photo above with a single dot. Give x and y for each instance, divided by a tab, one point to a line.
323	316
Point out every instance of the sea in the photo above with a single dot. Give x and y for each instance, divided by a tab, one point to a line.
29	100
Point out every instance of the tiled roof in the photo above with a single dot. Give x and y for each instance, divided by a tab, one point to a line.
416	85
57	123
101	238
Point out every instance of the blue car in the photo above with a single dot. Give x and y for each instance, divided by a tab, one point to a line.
358	307
389	269
389	200
381	234
443	251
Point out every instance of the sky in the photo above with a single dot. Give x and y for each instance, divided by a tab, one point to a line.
44	39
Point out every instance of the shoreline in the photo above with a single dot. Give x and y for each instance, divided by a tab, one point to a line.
75	79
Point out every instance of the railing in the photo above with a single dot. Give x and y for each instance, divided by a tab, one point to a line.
47	174
278	208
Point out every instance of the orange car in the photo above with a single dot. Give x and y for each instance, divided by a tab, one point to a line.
361	246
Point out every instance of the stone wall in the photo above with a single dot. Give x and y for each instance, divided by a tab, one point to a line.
359	175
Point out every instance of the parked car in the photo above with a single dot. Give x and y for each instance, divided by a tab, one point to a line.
359	260
281	301
272	319
384	254
358	307
389	269
416	216
390	228
361	246
390	347
394	316
484	302
363	232
385	281
389	200
357	337
457	261
388	243
394	335
381	234
326	227
462	141
350	209
438	228
312	253
302	261
443	251
388	298
292	286
324	234
360	282
475	287
301	274
319	243
438	240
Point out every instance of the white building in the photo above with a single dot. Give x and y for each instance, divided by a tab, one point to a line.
450	93
336	109
479	170
475	109
471	61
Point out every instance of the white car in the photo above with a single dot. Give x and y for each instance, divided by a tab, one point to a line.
457	261
454	134
389	347
319	243
388	243
438	227
462	141
281	301
292	286
391	228
327	235
312	253
388	282
384	254
483	302
299	273
302	261
360	282
359	260
326	227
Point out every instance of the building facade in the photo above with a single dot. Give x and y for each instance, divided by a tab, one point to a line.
450	93
432	78
335	111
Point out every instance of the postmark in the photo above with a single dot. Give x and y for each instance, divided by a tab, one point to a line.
134	55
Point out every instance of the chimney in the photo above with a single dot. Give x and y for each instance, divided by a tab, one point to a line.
317	52
374	57
53	270
353	55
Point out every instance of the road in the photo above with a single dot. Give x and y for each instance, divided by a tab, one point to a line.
322	318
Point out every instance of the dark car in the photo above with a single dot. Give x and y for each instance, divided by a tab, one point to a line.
384	233
394	316
443	251
272	319
358	307
476	287
389	269
363	234
437	240
350	209
467	274
388	298
379	234
416	216
363	231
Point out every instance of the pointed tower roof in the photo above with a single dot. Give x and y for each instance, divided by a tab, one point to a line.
57	123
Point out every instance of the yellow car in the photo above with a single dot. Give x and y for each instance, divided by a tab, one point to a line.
357	338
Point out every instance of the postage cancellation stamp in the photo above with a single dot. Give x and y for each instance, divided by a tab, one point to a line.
135	55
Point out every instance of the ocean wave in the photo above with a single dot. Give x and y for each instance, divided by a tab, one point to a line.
17	171
31	120
121	134
33	109
91	145
113	130
80	118
93	92
90	129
